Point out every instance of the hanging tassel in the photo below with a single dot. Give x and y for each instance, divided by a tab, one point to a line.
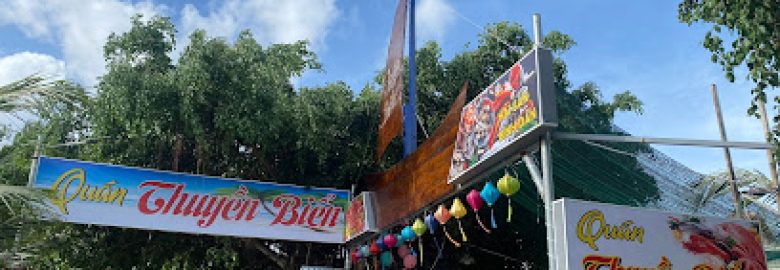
462	233
479	220
439	248
420	246
509	207
493	219
450	237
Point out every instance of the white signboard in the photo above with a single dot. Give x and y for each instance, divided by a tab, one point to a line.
597	236
104	194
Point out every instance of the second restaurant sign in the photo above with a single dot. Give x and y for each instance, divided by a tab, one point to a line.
596	236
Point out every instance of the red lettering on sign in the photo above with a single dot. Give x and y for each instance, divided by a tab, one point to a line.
202	206
287	203
313	215
162	198
143	204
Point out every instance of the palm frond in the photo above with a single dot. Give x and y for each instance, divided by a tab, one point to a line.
714	187
23	203
28	93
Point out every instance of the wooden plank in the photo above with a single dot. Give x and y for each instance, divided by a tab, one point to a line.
421	178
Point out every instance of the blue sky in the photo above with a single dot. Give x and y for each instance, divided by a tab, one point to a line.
635	45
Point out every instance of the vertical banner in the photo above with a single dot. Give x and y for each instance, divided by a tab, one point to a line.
506	117
391	114
596	236
92	193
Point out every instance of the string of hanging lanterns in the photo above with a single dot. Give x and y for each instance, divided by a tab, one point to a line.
381	248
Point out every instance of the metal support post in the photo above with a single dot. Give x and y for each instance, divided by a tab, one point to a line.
548	196
536	176
665	141
547	178
36	154
537	29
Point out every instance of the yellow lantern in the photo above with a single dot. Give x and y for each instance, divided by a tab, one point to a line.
458	210
508	185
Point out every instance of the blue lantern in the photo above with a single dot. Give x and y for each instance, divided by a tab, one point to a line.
380	242
408	234
431	223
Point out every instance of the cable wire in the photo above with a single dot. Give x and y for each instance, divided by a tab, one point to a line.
499	39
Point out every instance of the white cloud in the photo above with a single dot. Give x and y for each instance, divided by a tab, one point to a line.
20	65
271	21
23	64
26	14
79	27
221	23
434	17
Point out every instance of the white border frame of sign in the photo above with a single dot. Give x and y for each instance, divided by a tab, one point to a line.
528	141
369	203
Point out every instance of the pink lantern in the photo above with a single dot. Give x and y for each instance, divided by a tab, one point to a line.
390	240
403	250
410	261
475	201
443	215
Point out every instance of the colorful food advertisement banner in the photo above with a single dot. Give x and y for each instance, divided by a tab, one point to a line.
507	116
360	216
595	236
103	194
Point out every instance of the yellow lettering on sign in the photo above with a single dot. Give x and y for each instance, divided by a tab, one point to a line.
593	227
522	112
84	192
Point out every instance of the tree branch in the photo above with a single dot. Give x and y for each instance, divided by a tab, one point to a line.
278	259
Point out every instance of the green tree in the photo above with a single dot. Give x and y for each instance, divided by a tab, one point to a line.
752	27
225	109
130	96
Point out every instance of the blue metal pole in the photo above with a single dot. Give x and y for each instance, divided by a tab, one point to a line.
410	110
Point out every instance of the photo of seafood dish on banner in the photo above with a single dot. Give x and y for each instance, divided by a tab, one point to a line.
503	111
722	246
